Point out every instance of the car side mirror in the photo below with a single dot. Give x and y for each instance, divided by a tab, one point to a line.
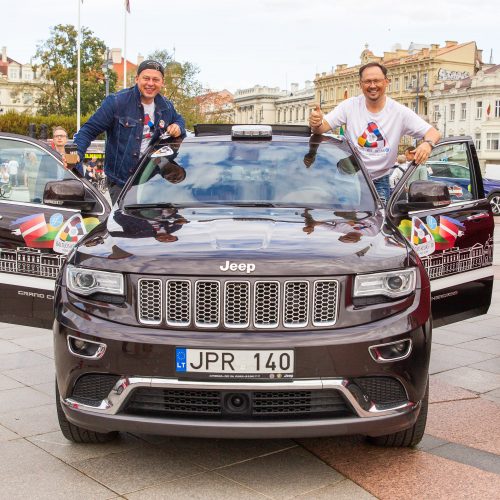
424	195
69	193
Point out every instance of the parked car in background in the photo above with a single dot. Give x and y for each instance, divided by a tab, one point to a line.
456	176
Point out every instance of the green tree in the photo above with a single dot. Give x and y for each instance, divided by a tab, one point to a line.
181	85
56	59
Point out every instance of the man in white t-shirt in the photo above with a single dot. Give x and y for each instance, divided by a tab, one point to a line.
375	124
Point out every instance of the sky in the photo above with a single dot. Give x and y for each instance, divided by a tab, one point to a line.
237	44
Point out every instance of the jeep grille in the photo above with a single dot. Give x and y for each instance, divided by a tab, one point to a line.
242	304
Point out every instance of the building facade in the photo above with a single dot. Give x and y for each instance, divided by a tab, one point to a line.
19	86
413	73
256	104
471	107
216	106
295	107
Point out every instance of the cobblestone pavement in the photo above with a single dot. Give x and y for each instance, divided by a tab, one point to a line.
458	458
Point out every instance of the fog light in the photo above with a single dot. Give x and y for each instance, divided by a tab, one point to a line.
393	351
86	348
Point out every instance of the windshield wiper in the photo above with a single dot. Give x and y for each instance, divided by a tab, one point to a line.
153	205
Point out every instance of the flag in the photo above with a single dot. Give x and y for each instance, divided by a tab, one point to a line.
450	228
488	110
32	227
127	5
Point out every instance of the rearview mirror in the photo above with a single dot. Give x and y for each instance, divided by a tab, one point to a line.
69	193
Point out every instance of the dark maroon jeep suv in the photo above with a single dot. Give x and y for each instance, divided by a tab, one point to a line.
248	283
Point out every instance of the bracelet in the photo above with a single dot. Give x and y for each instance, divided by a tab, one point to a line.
431	143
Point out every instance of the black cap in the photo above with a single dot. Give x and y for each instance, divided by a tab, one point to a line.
150	64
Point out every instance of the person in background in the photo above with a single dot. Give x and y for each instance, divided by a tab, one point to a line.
130	118
13	167
375	124
59	139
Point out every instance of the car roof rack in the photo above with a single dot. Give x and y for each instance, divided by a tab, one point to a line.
208	129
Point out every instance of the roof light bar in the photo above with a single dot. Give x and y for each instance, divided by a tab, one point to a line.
251	131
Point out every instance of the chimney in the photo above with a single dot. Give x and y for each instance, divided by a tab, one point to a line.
450	43
434	46
4	54
116	56
140	58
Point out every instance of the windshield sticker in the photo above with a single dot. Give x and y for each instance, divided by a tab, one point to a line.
163	151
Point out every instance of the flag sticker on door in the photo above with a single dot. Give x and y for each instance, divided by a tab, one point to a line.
70	233
421	238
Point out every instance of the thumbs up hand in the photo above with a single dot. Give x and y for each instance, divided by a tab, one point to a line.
316	117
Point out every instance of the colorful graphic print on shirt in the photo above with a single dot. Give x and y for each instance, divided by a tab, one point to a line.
372	137
148	127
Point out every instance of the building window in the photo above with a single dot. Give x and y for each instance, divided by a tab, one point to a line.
27	74
452	112
479	110
463	110
436	115
497	109
426	79
279	116
396	84
13	73
303	112
425	108
407	82
290	115
477	142
27	98
296	114
493	141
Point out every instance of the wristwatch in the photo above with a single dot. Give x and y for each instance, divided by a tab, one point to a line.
432	143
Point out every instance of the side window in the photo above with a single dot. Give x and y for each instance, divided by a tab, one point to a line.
449	164
25	169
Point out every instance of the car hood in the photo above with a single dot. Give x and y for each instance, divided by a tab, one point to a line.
209	242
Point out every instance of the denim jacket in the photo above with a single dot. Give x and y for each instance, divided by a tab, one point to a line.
121	116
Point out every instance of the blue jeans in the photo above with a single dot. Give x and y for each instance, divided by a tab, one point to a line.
383	188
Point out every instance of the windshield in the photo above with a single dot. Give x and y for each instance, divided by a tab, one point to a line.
241	173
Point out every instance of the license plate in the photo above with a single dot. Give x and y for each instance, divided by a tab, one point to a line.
238	363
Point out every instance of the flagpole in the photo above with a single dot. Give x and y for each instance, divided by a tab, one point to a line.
78	72
125	48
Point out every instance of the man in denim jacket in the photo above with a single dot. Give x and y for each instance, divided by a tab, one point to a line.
130	118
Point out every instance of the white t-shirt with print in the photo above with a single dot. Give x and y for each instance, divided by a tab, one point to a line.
376	136
149	118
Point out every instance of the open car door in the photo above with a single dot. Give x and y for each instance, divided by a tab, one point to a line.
44	211
453	237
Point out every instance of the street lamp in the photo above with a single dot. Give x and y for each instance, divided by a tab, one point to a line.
443	116
106	66
417	90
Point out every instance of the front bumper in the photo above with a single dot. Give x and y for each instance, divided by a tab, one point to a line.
329	361
368	418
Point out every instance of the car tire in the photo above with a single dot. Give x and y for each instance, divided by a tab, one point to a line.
77	434
494	199
408	437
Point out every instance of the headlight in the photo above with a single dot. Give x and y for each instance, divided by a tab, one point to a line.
88	281
391	283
